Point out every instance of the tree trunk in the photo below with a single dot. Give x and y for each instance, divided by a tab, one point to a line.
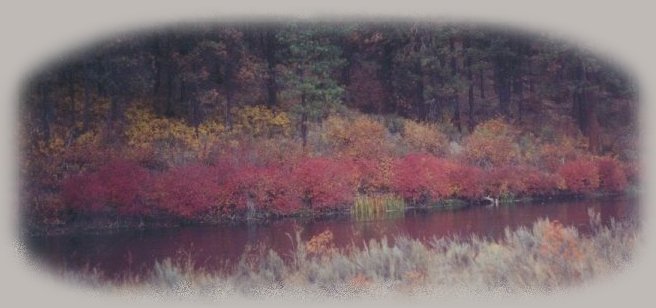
100	70
470	92
503	88
304	121
46	110
345	76
421	107
229	90
593	122
164	77
115	110
168	99
71	97
386	78
470	113
270	55
518	88
86	108
454	97
585	108
228	108
482	83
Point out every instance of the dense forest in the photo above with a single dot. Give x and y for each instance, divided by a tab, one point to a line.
214	121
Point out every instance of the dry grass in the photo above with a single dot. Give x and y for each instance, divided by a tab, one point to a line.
545	257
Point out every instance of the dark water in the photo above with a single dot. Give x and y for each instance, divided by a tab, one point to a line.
213	247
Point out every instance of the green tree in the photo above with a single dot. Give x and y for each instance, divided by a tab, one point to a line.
311	64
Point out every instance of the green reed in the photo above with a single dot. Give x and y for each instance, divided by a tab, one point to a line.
376	206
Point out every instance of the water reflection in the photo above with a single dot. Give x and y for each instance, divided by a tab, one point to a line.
215	247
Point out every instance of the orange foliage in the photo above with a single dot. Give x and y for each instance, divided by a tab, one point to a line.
414	278
558	242
492	144
521	181
580	176
321	244
361	138
373	175
360	280
504	181
551	156
424	138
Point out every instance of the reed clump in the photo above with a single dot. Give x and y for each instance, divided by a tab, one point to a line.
367	207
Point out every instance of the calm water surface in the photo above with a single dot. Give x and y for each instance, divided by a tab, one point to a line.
214	247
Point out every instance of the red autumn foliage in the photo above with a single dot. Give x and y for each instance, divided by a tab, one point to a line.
538	183
229	179
238	181
120	185
580	176
373	175
504	181
611	174
465	181
187	191
421	177
268	188
324	183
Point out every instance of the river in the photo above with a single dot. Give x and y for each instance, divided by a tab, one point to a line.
214	247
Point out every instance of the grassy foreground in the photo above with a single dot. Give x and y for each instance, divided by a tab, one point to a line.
545	257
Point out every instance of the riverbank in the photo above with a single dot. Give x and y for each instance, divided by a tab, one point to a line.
104	225
234	176
544	257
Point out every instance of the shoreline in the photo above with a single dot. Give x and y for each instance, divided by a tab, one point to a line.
125	225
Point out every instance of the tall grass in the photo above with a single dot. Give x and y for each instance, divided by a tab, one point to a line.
545	256
371	207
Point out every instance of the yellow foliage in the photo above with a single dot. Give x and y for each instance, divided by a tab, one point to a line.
260	121
145	128
362	137
493	143
321	244
89	138
424	137
279	149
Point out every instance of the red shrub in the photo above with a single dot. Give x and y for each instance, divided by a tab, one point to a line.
268	188
421	177
84	192
324	183
187	191
611	174
538	183
228	180
373	175
580	176
504	181
465	181
120	185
